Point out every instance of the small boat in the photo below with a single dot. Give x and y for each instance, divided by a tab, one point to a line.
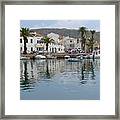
67	56
51	57
83	82
80	57
73	60
24	58
40	57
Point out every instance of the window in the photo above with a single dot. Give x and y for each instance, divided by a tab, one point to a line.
31	49
71	45
58	49
52	49
55	50
40	49
26	40
20	48
31	40
70	40
77	40
38	41
20	40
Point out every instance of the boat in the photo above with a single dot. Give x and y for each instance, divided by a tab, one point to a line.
51	57
40	57
81	57
24	58
74	60
67	56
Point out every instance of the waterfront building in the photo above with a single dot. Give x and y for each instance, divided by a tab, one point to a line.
36	43
54	37
71	43
30	44
55	46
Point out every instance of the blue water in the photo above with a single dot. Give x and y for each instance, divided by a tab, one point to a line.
59	80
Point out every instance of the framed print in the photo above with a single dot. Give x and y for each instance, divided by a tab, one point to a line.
59	59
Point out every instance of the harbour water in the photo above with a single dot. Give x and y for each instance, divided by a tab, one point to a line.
59	79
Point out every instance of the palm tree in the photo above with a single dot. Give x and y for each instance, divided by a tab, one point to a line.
92	39
88	44
82	31
47	40
25	32
92	32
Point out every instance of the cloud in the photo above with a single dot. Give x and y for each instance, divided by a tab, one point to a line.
69	24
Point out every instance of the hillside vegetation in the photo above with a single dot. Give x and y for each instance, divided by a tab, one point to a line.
65	32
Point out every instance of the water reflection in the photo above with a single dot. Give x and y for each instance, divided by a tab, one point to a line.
37	75
26	82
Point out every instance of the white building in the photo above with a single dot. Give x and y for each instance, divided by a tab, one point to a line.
37	44
30	44
71	43
55	46
54	36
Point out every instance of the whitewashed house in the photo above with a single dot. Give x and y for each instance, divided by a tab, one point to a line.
37	44
71	43
54	36
55	46
30	44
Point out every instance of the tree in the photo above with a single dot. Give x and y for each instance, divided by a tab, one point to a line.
82	31
92	40
25	32
47	40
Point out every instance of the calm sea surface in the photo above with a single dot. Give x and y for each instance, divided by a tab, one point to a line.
59	80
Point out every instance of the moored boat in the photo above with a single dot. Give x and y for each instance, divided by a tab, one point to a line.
66	56
40	57
24	58
80	57
74	60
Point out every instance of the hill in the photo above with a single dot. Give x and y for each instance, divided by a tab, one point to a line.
64	32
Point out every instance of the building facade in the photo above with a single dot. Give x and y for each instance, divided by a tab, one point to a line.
71	43
37	44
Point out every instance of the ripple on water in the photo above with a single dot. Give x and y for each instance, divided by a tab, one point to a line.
60	79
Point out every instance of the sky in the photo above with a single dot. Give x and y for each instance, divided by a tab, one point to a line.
69	24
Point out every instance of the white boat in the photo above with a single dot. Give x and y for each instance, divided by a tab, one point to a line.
51	57
67	56
80	57
40	57
24	58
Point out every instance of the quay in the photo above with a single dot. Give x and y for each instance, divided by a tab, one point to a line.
58	55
